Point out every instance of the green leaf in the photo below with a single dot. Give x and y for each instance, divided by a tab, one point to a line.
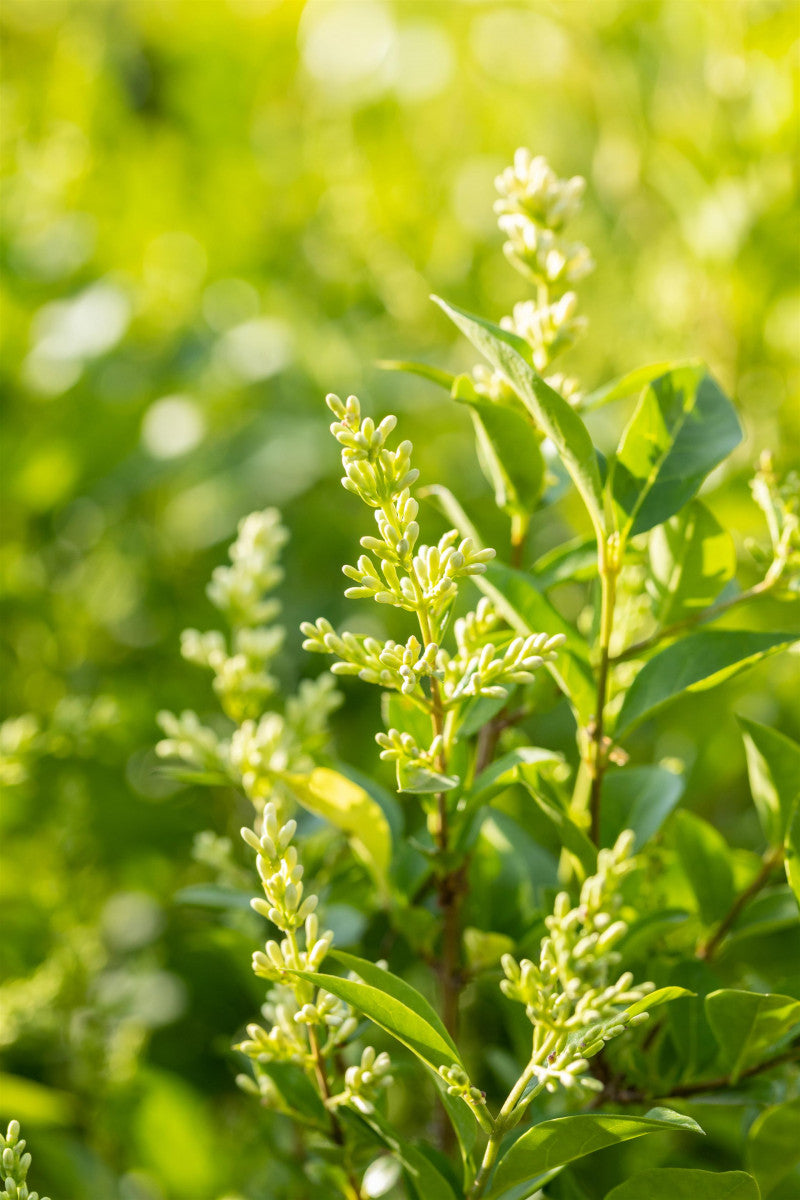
707	864
297	1091
792	851
694	664
682	427
551	412
35	1102
392	1014
571	837
509	450
575	560
565	1139
748	1024
527	610
680	1183
773	765
348	807
384	980
442	379
773	1147
655	999
426	1181
638	798
626	385
212	895
691	559
418	780
503	772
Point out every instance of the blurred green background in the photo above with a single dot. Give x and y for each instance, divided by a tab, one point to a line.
214	211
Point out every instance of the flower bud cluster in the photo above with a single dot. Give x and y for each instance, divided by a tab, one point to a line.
533	207
238	590
240	679
571	990
388	664
458	1084
491	671
372	472
15	1163
402	748
191	741
548	329
532	189
364	1081
281	873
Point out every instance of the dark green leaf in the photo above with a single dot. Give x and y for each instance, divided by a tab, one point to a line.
528	610
691	559
427	1180
679	1183
682	427
508	449
694	664
571	837
565	1139
773	765
390	1013
638	798
773	1145
551	412
749	1024
297	1091
707	864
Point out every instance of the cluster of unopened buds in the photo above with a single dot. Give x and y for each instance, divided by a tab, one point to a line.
238	590
388	664
365	1080
15	1161
489	672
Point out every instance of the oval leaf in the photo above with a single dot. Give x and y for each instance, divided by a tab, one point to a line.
748	1024
691	559
679	1183
773	1147
565	1139
694	664
773	765
682	427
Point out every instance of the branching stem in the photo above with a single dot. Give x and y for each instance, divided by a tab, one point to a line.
707	949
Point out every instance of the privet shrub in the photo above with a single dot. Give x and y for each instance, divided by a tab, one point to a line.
584	929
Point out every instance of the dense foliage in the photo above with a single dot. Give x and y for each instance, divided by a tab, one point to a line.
169	351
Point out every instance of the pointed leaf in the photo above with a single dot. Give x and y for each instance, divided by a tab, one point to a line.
504	771
384	980
638	798
551	412
416	780
391	1014
681	1183
707	864
442	379
565	1139
348	807
749	1024
773	765
694	664
655	999
528	610
626	385
682	427
571	560
509	450
691	559
571	837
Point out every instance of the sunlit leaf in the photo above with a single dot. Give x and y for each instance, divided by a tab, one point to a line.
773	765
691	559
749	1024
682	1183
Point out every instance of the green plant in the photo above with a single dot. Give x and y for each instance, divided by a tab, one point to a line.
621	902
